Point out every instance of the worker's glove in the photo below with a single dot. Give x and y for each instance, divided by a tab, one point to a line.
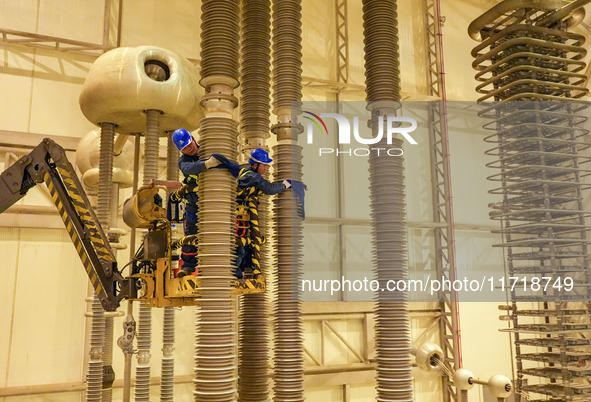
287	183
212	162
180	193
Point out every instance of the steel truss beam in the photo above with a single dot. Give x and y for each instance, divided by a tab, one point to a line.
441	193
111	36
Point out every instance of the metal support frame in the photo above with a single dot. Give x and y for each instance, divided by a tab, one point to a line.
441	193
342	41
431	24
325	315
111	22
342	64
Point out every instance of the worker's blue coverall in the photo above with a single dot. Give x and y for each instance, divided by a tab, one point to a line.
251	186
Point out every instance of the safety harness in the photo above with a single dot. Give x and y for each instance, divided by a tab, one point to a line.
247	202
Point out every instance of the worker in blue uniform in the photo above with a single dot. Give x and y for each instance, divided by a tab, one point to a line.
190	166
251	186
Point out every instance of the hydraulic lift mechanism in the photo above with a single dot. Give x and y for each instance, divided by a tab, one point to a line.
151	279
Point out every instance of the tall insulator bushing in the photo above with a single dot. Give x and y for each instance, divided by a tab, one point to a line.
382	78
388	204
254	130
215	345
287	91
94	376
104	167
255	73
538	143
167	382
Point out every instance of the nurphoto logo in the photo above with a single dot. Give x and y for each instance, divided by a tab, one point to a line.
395	125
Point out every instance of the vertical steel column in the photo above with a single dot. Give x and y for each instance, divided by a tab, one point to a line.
287	93
445	262
112	24
215	338
253	333
342	64
388	208
342	43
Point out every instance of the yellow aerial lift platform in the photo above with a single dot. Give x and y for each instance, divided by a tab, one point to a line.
153	281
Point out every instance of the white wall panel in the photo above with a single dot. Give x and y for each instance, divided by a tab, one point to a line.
66	67
319	30
55	109
48	334
417	165
9	251
19	15
325	394
458	45
72	19
412	39
357	259
320	258
356	53
468	171
172	24
486	350
16	70
363	393
356	187
320	171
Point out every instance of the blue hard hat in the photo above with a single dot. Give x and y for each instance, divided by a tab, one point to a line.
181	138
259	156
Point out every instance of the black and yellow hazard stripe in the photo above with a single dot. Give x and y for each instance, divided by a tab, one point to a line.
82	209
71	229
249	197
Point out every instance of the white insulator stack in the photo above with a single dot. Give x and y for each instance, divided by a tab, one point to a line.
253	332
287	92
388	205
147	90
215	325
